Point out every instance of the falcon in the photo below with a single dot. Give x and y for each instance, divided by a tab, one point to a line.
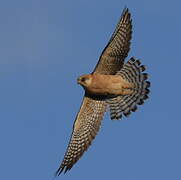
113	84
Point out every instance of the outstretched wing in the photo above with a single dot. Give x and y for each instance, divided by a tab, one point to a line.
85	128
113	55
92	110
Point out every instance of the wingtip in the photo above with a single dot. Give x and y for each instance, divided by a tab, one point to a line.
59	171
125	10
63	170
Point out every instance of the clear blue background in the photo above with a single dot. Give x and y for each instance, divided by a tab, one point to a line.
44	46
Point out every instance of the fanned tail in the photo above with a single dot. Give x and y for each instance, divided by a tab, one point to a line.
132	72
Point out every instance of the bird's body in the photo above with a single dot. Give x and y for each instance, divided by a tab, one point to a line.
114	84
100	84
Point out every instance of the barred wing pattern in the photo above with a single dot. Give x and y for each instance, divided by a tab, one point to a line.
132	72
85	128
113	55
92	110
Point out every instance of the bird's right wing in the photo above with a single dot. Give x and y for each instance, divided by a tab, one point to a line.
113	55
92	110
85	128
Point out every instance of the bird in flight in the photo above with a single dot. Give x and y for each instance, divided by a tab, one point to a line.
113	84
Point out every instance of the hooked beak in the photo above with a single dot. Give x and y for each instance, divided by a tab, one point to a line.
78	80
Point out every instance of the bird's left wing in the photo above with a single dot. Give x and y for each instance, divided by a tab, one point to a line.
85	128
113	55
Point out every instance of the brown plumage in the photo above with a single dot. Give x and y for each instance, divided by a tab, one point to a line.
112	83
101	84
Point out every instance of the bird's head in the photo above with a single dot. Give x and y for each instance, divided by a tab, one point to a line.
85	80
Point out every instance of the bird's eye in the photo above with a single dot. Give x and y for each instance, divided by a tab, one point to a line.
83	79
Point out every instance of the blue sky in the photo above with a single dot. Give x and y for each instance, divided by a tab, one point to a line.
45	46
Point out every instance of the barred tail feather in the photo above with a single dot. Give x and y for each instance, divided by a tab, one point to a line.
132	71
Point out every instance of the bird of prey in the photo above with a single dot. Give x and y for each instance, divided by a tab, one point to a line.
113	84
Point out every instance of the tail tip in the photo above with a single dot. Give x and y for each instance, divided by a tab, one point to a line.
145	76
148	84
142	68
138	62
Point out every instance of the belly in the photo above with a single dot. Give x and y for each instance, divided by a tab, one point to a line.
105	91
109	85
